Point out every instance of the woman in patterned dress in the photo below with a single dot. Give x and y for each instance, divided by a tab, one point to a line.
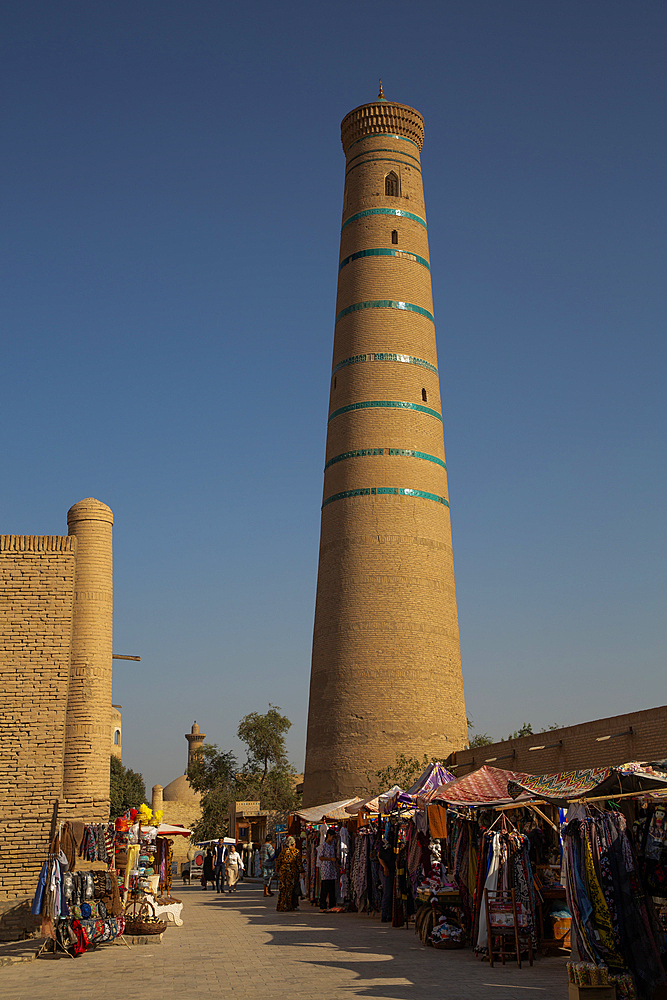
288	866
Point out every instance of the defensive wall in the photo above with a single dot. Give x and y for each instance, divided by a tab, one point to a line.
602	743
56	612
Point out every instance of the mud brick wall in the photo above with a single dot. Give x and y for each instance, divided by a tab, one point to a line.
37	580
575	746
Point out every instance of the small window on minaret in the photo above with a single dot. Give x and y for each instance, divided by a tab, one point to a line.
394	236
424	397
391	185
116	737
334	381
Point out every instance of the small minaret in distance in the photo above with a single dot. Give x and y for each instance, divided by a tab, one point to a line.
195	742
386	670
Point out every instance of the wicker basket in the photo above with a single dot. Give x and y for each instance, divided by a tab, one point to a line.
143	921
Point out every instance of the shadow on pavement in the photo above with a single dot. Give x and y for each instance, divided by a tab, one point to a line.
389	962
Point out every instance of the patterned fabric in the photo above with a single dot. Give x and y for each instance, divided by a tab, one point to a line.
629	777
486	786
327	859
288	866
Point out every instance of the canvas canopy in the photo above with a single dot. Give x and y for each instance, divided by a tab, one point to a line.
571	785
331	810
433	777
168	830
485	787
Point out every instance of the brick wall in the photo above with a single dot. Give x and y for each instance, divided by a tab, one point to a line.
576	746
37	577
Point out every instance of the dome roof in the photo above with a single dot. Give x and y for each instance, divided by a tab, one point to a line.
180	790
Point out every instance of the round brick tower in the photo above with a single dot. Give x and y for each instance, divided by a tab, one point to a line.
386	670
88	725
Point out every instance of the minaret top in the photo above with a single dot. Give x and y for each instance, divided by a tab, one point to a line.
382	117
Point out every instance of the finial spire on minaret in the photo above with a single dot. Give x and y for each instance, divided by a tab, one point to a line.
381	96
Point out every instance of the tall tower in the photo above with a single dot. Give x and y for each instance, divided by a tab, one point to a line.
386	670
88	720
195	742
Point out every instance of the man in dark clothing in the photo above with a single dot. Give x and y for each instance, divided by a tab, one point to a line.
220	855
387	862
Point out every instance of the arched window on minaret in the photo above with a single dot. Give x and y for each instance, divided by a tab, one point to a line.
391	185
394	236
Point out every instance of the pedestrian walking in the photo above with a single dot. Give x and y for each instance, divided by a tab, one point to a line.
219	869
234	867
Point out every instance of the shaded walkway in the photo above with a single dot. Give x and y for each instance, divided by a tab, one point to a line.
238	946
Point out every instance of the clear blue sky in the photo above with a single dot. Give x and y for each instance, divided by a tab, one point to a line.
171	191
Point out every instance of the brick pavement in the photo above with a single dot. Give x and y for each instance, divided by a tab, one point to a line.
240	947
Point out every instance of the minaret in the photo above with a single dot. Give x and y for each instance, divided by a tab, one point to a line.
195	742
88	720
386	670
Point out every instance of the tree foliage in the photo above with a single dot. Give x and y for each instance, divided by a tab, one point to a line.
403	772
213	773
267	774
480	740
264	737
127	789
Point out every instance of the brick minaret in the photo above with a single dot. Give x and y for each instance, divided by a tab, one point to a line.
195	742
88	721
386	670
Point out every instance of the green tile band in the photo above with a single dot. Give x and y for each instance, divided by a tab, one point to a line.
376	135
385	252
384	211
385	304
381	149
381	159
403	452
404	358
385	404
380	490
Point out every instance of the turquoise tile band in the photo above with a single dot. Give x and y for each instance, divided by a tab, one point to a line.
381	490
377	135
372	452
381	149
386	304
403	358
385	252
385	404
381	159
384	211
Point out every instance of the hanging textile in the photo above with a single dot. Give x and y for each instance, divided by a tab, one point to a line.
612	917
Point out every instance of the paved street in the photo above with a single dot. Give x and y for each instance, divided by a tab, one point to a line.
238	946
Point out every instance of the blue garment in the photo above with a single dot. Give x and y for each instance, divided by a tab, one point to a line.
37	902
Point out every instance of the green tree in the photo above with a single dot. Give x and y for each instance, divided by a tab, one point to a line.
480	740
264	736
267	774
403	772
525	730
127	789
213	773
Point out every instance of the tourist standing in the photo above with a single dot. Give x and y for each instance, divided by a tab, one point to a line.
209	862
326	859
267	857
288	866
